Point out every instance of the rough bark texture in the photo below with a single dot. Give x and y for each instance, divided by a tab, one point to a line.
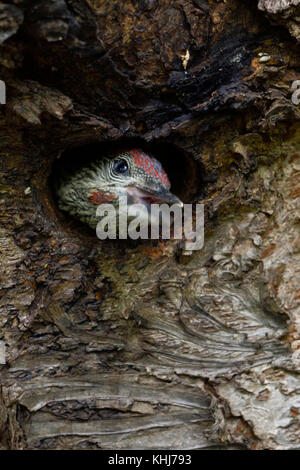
114	345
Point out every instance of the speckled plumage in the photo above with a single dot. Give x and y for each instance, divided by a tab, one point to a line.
105	180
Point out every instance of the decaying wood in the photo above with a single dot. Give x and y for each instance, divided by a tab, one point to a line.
114	345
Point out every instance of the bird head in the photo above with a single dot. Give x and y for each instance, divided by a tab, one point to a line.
134	174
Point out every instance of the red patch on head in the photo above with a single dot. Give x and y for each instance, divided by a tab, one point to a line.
150	166
99	197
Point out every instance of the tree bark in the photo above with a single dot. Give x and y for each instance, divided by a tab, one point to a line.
110	345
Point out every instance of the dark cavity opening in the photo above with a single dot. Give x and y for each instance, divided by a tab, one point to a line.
185	173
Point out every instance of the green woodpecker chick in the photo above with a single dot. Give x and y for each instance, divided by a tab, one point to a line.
133	174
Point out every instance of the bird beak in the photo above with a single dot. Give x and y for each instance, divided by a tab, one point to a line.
142	196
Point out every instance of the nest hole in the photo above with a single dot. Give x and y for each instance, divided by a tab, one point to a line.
185	173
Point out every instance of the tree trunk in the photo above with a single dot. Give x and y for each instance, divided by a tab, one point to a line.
115	345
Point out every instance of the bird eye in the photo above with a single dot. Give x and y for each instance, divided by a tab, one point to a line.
120	166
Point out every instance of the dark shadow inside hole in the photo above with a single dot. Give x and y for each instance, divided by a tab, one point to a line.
185	173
